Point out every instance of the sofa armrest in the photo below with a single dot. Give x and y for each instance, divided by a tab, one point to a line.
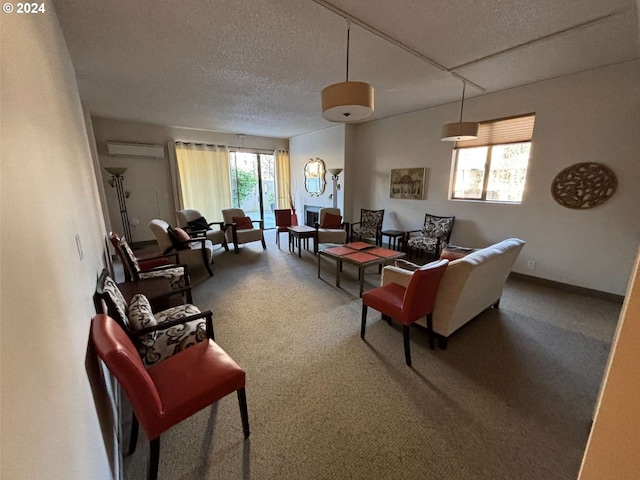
396	275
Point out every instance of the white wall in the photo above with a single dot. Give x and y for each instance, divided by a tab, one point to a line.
49	426
614	442
149	179
593	116
328	145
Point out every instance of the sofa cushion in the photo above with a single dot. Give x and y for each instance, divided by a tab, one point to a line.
453	252
407	265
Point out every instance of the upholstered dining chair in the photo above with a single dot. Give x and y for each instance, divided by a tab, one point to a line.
176	274
406	305
283	222
195	252
156	334
240	229
192	222
432	238
167	393
369	226
331	228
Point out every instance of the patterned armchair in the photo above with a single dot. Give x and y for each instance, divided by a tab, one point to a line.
156	335
176	274
369	226
432	237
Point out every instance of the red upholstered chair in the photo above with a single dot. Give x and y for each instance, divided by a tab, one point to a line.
172	390
406	305
283	221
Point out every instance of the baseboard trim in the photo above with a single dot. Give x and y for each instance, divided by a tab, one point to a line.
587	292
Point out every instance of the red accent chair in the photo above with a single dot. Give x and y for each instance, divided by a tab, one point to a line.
172	390
283	222
406	305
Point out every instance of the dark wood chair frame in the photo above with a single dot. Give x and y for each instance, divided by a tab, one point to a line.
234	234
407	235
378	236
197	234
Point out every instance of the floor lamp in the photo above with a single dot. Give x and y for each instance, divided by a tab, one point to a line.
116	182
334	176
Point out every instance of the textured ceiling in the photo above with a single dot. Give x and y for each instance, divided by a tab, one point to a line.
257	67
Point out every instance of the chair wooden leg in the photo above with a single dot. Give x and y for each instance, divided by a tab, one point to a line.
209	269
133	438
430	331
264	244
442	342
234	233
154	458
364	321
407	347
206	262
244	414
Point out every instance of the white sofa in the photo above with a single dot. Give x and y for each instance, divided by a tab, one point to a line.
469	286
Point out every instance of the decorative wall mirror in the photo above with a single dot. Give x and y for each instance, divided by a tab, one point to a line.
314	182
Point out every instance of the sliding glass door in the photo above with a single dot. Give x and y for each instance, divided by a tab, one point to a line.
253	185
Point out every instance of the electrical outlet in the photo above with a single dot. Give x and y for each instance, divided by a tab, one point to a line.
531	264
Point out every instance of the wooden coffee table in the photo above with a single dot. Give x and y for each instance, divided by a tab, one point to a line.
360	254
301	232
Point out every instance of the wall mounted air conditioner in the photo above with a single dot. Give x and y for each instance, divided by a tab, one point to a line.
145	150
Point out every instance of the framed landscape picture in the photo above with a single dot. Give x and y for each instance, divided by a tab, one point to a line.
408	183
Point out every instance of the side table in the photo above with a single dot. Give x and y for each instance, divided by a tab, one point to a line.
299	233
393	235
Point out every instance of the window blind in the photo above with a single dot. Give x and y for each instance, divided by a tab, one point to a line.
502	131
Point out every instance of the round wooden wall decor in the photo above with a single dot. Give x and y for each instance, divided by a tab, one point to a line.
584	185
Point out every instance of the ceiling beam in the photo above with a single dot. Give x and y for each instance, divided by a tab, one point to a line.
393	41
550	36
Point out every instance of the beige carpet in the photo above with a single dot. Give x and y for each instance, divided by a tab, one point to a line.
511	398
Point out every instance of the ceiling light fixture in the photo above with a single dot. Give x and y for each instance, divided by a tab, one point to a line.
454	132
347	102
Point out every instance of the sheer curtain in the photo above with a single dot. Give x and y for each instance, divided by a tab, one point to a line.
283	178
204	181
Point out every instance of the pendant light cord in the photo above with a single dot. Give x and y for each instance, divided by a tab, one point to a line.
464	85
348	32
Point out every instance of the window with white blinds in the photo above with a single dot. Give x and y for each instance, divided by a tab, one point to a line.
493	167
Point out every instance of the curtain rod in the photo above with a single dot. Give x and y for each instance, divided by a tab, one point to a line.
229	146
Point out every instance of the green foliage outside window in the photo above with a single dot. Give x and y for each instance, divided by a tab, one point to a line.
244	183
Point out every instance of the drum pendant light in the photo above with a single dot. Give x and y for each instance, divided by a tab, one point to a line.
347	102
454	132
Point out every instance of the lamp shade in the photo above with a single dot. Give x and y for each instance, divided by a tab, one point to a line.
454	132
117	171
347	102
335	171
